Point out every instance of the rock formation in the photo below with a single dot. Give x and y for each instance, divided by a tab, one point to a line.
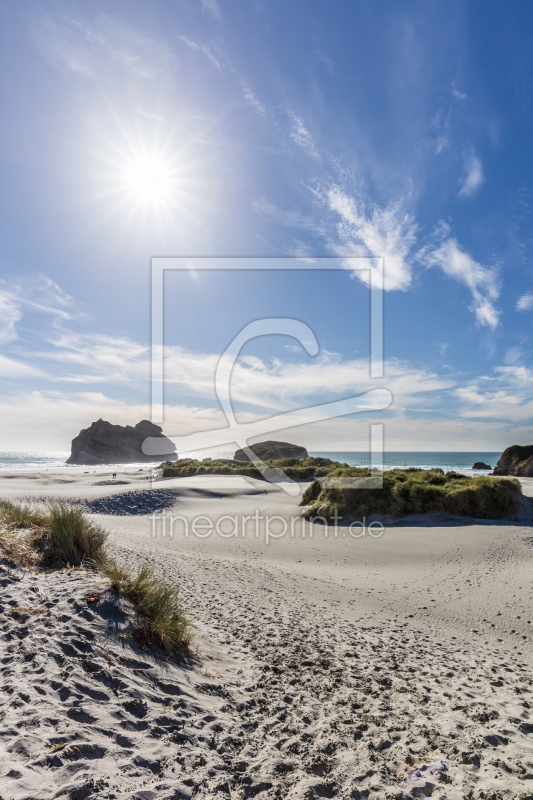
104	443
481	465
271	451
516	460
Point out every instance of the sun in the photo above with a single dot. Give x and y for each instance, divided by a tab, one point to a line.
149	179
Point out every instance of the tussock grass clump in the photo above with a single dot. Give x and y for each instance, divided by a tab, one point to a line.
70	538
17	549
295	468
20	515
416	491
58	537
62	536
157	603
20	528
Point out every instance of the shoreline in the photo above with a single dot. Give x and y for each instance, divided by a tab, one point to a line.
352	457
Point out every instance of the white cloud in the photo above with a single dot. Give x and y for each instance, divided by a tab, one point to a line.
92	47
276	384
40	294
507	397
212	8
290	219
441	230
516	375
16	369
250	97
202	48
103	358
302	137
525	303
38	421
265	384
389	233
482	281
513	355
423	411
474	177
470	395
10	314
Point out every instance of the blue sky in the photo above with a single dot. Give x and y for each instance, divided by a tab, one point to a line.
254	128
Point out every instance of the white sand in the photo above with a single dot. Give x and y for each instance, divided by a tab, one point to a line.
391	667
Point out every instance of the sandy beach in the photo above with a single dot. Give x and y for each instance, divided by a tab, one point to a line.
390	666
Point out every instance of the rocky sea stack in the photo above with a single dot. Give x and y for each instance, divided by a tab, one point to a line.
481	465
516	460
104	443
272	451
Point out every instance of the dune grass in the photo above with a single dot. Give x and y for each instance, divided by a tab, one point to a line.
72	539
414	491
162	618
296	468
20	515
62	536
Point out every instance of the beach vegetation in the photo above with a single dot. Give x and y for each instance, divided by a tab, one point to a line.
57	536
414	491
61	536
70	538
161	616
20	515
294	468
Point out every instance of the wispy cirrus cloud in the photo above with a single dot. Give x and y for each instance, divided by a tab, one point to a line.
474	177
290	219
212	8
15	370
389	233
202	48
277	384
301	136
38	294
482	281
250	97
10	314
261	383
91	47
98	358
525	303
506	395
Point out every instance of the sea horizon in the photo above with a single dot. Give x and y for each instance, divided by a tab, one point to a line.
461	461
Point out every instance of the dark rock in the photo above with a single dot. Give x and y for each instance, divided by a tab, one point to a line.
516	460
271	451
481	465
104	443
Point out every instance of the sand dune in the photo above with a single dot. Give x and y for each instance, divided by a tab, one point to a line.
391	667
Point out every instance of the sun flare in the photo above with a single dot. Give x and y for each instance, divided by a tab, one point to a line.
149	179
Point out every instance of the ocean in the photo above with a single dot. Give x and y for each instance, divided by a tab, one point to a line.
458	461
